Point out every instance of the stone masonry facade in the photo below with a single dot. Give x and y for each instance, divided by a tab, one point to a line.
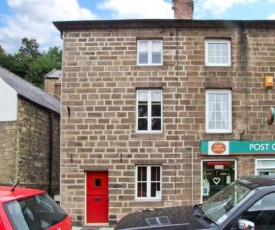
26	148
99	83
8	144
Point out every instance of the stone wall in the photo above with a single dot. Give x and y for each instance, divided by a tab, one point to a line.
34	147
99	83
8	149
52	86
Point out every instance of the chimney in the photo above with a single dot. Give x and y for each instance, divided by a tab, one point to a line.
183	8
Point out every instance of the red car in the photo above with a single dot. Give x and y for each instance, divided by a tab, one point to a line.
30	209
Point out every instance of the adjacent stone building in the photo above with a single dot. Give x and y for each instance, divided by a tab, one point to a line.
30	134
162	112
52	83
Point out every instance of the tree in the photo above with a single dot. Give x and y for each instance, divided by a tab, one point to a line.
52	59
26	56
29	63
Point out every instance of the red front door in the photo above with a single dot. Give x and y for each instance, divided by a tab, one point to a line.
97	197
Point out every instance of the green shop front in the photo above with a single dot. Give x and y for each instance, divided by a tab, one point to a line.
224	161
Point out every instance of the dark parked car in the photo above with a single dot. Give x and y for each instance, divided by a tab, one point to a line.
247	203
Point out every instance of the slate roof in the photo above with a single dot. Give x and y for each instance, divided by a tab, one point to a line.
29	91
54	74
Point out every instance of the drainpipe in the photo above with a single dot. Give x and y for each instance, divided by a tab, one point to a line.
192	173
50	154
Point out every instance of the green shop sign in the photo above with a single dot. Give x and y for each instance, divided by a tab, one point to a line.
237	147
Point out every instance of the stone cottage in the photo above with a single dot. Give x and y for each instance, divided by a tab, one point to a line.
162	112
52	83
30	134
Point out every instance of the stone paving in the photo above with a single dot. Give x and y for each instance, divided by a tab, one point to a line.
92	228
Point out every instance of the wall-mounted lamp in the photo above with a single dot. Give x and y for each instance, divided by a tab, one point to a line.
269	82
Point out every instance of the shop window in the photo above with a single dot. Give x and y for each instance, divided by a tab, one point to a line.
265	167
148	182
149	52
218	111
217	52
149	111
216	175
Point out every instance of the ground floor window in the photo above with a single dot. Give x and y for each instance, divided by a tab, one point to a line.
148	182
216	174
265	167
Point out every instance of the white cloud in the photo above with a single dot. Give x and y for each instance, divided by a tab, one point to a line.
272	17
217	7
131	9
33	19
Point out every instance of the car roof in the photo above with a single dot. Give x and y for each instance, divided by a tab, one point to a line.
258	181
7	193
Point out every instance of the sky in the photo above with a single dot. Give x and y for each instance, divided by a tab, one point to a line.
33	18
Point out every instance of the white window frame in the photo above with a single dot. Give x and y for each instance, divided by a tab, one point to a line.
216	42
150	52
148	184
229	109
149	116
265	168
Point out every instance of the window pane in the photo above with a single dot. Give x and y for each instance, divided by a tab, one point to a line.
156	58
218	111
155	187
142	111
149	110
156	110
156	124
142	124
211	48
148	182
149	52
155	173
142	189
143	58
143	95
142	173
224	47
156	96
97	182
156	46
143	46
218	52
266	163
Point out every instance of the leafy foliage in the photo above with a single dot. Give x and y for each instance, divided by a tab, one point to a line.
29	63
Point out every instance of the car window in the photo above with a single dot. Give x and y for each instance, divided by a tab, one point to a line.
36	212
262	213
219	207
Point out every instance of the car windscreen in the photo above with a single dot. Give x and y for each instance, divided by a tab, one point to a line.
219	207
34	213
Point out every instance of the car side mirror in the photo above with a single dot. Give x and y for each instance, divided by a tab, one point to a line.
246	225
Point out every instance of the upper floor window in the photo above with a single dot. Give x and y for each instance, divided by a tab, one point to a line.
149	110
148	182
218	111
149	52
217	52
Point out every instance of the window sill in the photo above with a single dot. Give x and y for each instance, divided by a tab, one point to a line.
148	200
218	132
160	64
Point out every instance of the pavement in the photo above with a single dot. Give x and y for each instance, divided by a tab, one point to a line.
92	228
